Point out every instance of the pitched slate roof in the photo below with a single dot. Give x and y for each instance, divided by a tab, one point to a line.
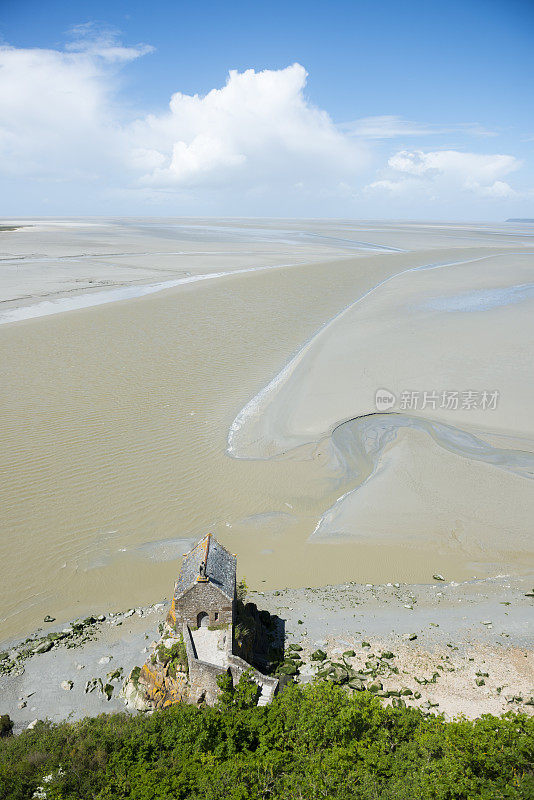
220	567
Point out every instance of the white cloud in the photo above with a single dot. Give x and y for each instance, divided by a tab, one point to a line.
464	166
394	188
391	127
442	172
498	189
258	127
61	120
255	145
57	112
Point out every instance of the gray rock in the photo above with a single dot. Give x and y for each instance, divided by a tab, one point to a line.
43	647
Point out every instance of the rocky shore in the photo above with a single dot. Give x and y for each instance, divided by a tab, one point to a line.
446	647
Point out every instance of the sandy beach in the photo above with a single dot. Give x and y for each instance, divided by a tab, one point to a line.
164	378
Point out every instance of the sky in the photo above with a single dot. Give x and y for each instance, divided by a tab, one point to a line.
362	109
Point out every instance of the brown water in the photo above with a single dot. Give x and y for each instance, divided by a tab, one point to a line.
113	428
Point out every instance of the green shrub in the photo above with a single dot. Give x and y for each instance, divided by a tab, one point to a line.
312	742
176	656
243	695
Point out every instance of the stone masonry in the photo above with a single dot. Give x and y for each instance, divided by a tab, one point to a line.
197	644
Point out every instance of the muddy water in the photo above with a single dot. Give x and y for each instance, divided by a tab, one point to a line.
113	434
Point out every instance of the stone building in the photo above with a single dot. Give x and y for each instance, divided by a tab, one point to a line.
205	592
197	644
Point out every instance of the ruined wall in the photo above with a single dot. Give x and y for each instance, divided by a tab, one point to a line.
203	676
201	598
238	666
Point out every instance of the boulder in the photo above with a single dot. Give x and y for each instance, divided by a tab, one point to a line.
43	647
318	655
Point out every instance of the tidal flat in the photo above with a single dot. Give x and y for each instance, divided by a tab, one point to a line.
164	378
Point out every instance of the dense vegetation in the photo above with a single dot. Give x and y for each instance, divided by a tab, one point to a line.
312	742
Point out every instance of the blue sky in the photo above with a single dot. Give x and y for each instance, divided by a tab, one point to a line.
353	109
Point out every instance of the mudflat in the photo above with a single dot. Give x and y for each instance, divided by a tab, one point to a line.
164	378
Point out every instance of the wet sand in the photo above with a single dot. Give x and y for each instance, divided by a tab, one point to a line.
114	418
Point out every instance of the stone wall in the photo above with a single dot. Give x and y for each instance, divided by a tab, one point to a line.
268	684
201	598
203	676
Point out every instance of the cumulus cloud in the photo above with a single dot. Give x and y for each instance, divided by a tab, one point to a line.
61	119
257	138
442	171
258	127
